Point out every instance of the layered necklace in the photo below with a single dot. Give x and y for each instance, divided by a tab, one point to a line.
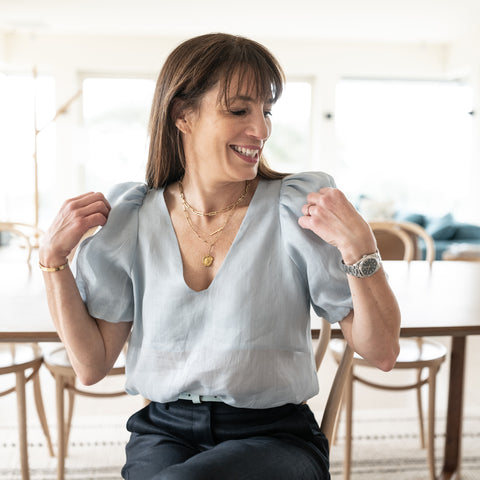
207	260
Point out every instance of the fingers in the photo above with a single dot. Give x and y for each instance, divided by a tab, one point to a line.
76	216
306	209
320	202
330	198
85	211
87	200
330	215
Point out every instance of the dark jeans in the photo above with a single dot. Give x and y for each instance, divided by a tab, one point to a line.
214	441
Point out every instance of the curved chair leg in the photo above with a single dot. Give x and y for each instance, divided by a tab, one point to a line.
22	423
348	425
420	410
71	403
432	379
37	393
337	420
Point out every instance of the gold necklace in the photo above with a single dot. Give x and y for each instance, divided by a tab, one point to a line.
214	212
207	260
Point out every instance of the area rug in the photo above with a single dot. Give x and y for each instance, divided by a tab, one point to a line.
384	447
388	447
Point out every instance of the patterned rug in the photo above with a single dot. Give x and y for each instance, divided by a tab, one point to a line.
383	448
389	448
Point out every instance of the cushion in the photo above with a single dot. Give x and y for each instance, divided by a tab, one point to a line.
466	231
417	218
442	228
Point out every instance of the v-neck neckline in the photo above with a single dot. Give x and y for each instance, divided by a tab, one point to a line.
244	224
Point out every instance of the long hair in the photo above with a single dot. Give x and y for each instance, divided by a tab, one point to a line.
191	70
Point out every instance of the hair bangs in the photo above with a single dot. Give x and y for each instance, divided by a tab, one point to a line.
251	73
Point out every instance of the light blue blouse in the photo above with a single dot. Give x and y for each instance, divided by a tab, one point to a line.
246	338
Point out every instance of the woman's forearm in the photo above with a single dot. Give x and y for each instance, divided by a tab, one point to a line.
373	327
91	355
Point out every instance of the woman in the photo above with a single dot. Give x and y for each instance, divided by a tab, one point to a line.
213	266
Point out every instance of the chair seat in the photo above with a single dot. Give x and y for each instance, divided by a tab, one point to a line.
58	363
413	354
18	357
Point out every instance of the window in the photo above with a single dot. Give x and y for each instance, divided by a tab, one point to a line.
289	147
405	143
116	112
19	96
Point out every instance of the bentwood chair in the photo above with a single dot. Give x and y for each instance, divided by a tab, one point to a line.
23	361
334	400
17	230
402	241
416	354
60	367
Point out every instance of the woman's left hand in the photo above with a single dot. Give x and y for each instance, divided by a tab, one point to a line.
333	218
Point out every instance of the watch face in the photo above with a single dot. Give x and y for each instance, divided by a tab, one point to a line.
369	265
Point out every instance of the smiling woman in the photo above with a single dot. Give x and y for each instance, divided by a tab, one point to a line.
254	68
211	270
216	128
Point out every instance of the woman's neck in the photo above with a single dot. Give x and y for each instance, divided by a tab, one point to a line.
211	195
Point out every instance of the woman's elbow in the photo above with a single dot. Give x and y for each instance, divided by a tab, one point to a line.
388	360
88	379
89	376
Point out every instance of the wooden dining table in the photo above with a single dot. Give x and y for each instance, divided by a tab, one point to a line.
442	299
438	300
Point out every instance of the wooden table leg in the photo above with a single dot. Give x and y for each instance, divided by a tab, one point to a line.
60	382
22	423
453	437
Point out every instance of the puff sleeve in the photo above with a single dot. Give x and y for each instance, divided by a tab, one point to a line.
317	261
103	262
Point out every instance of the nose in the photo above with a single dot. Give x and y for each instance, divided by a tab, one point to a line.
259	126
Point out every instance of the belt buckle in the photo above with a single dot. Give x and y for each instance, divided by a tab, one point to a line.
192	397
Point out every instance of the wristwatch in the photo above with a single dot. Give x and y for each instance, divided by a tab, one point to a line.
365	267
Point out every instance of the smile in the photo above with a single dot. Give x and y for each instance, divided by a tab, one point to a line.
248	152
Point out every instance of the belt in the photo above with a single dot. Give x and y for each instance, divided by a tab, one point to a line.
199	398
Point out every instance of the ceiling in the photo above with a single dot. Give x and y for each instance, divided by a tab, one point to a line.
431	21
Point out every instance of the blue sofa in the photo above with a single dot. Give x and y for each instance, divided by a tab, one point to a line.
445	231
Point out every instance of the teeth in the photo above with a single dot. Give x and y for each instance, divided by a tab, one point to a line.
246	151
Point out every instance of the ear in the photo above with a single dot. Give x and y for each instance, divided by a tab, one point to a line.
180	115
182	124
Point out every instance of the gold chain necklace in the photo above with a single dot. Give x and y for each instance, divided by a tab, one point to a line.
214	212
207	260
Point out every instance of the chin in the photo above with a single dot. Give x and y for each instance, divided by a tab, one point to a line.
251	171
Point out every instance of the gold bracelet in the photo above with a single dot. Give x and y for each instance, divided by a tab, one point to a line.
43	268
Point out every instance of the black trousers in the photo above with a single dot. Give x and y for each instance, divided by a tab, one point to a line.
214	441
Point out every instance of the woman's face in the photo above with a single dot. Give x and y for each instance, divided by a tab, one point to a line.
225	143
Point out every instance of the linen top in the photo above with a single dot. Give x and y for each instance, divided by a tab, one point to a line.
246	338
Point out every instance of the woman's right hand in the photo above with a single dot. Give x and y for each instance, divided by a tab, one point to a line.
75	218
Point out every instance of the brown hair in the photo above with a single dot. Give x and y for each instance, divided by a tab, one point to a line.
193	68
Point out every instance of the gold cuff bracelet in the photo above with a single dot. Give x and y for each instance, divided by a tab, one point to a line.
43	268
